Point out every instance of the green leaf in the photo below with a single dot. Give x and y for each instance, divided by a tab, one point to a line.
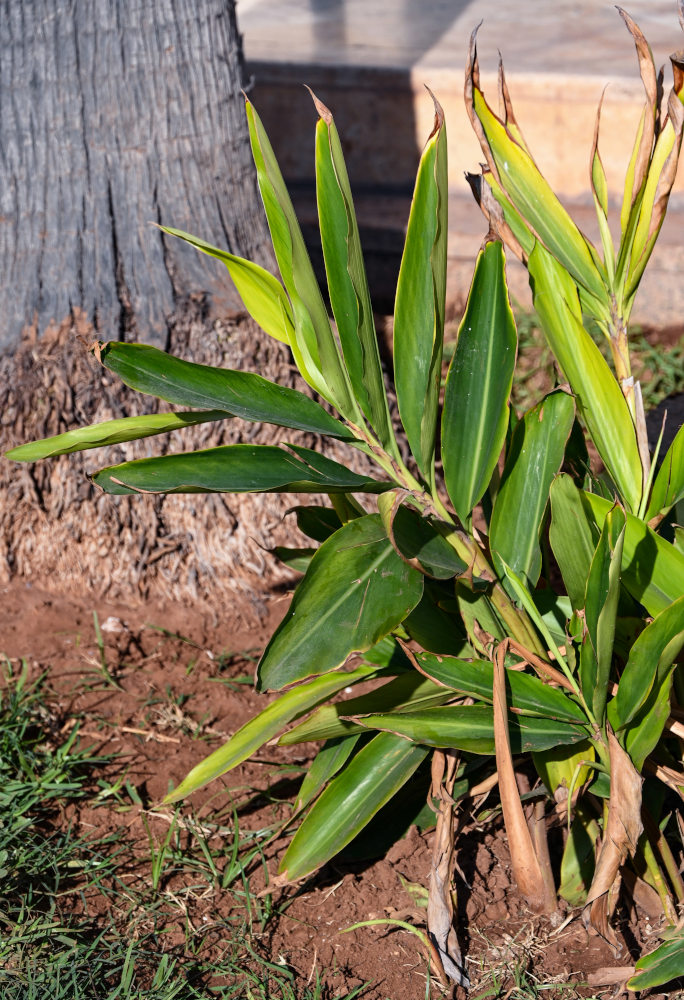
263	296
660	966
243	394
110	432
330	759
420	302
236	468
264	726
526	694
347	283
297	560
471	728
434	627
350	801
534	458
652	569
416	538
649	663
478	385
357	589
531	195
406	692
600	402
601	604
668	487
571	537
318	523
313	343
578	862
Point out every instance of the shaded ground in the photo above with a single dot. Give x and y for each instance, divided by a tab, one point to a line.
164	687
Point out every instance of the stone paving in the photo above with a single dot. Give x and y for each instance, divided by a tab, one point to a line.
369	61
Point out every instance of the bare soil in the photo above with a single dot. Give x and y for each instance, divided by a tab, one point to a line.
176	690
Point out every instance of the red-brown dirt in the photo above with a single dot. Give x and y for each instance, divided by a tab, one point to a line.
173	704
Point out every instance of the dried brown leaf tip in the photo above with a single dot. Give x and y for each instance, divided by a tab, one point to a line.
439	114
323	112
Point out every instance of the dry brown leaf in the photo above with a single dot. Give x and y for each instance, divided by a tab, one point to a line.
650	81
623	829
524	859
440	910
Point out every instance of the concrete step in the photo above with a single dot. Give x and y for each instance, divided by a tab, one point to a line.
368	60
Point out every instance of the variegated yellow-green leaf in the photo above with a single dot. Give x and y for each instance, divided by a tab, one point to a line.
263	296
350	801
347	284
531	195
313	343
265	726
420	301
599	400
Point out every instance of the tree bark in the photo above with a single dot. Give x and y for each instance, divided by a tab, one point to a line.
115	114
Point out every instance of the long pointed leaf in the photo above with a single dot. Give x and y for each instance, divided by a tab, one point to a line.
599	399
237	468
478	386
527	695
313	343
419	307
356	590
571	538
263	296
652	569
534	458
110	432
264	726
603	591
471	728
350	801
668	487
243	394
347	284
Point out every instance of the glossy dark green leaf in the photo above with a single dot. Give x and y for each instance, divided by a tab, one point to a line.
406	692
600	613
434	627
347	284
471	728
313	343
243	394
318	523
236	468
571	535
357	589
350	801
265	726
262	294
652	568
417	538
420	301
478	386
110	432
660	966
526	694
668	487
534	458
